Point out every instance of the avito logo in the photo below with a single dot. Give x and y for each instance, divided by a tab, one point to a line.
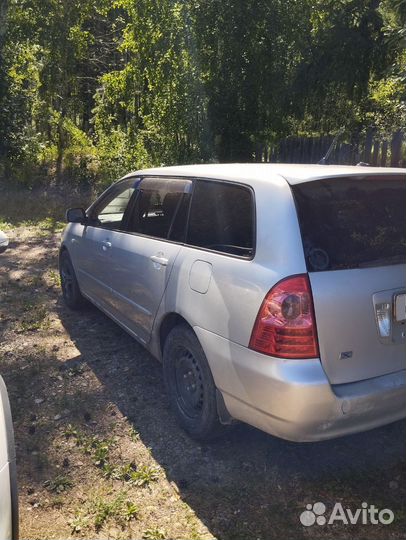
366	515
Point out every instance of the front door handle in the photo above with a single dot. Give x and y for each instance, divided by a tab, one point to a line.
158	259
106	245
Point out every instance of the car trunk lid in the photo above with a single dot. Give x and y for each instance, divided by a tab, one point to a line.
347	306
353	232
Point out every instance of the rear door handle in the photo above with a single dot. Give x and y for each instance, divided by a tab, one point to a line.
106	245
159	260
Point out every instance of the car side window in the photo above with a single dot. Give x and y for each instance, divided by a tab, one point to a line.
111	210
160	210
222	218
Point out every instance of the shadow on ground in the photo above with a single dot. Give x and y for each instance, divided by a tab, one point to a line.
248	484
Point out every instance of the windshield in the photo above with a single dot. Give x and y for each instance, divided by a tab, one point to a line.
352	222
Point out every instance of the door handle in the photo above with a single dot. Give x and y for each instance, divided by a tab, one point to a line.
159	260
106	245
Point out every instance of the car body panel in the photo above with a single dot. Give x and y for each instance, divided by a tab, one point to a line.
92	259
349	342
293	399
8	476
138	279
5	503
236	283
255	173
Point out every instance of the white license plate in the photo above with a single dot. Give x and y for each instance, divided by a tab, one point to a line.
400	307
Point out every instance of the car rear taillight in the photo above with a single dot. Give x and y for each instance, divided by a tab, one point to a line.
285	326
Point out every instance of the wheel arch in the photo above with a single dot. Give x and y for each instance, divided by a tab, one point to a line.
62	249
168	323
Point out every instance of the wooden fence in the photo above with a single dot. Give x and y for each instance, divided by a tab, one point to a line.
370	149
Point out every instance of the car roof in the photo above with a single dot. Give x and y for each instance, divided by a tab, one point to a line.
249	172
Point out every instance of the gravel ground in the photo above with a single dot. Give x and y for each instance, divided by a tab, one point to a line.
99	453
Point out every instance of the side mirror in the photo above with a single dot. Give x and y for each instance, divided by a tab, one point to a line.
3	242
76	215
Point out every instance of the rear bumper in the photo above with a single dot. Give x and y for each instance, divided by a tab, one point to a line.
293	399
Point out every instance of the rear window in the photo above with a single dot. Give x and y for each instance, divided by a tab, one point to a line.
352	222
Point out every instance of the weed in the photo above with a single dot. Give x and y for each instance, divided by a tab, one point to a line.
194	534
78	523
124	472
121	509
35	317
130	511
33	282
59	484
99	450
77	369
109	470
56	502
134	434
54	278
51	225
5	225
144	476
70	431
88	444
154	534
101	454
103	511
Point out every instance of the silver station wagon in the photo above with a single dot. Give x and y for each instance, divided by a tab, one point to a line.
272	294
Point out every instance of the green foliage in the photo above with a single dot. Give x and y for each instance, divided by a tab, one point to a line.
100	510
91	89
59	484
154	534
99	451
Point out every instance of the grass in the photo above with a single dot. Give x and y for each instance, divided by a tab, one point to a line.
154	534
39	208
35	317
99	451
120	509
54	278
5	225
59	484
134	434
144	476
50	224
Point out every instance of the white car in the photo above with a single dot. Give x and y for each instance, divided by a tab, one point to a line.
8	476
273	294
3	241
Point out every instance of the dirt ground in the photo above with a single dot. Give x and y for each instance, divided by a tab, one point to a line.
100	455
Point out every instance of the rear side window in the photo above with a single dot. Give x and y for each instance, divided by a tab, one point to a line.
222	218
156	209
352	222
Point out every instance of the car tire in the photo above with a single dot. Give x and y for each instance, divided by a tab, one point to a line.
190	384
69	284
